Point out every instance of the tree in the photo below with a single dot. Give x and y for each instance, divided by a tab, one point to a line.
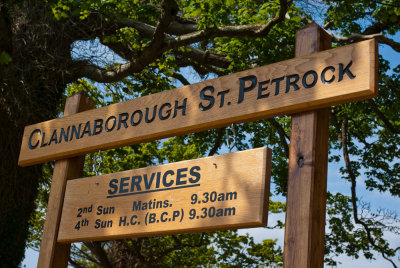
134	48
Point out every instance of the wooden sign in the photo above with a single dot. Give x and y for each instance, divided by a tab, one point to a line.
322	79
213	193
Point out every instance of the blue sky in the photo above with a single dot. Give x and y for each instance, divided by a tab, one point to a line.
335	184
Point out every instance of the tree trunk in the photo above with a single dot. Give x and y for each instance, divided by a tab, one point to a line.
31	87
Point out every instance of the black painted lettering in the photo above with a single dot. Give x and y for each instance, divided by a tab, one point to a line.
98	126
105	210
43	143
193	172
146	117
79	213
106	125
99	210
231	196
168	112
292	83
123	184
136	182
208	98
137	206
230	211
133	221
314	79
222	99
86	129
243	88
158	180
53	137
140	114
63	134
182	107
164	217
103	224
75	131
148	182
175	214
277	82
165	183
78	225
219	213
346	70
122	120
166	203
122	221
30	139
323	75
180	174
152	218
113	186
261	89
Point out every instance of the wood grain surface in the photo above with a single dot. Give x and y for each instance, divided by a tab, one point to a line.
53	254
220	192
307	177
305	83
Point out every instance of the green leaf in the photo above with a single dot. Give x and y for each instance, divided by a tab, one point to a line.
5	58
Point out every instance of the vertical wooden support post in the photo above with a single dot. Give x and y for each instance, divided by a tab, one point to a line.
307	178
53	254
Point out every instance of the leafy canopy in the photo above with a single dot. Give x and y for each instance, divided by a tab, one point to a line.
364	136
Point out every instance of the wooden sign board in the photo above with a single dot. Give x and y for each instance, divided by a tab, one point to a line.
310	82
213	193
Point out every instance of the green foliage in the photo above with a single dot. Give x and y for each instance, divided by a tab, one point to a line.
373	147
349	17
372	141
5	58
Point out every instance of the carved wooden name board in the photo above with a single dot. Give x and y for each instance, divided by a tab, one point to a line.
305	83
213	193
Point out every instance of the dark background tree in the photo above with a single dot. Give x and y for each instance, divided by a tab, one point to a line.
53	48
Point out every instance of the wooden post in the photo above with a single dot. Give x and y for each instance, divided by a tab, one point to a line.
307	178
53	254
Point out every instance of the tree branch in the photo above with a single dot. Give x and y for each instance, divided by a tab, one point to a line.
169	10
162	42
382	25
150	53
119	49
200	69
179	245
344	139
360	37
218	141
204	57
146	30
373	31
282	135
87	255
75	264
96	248
384	119
177	28
181	78
253	30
